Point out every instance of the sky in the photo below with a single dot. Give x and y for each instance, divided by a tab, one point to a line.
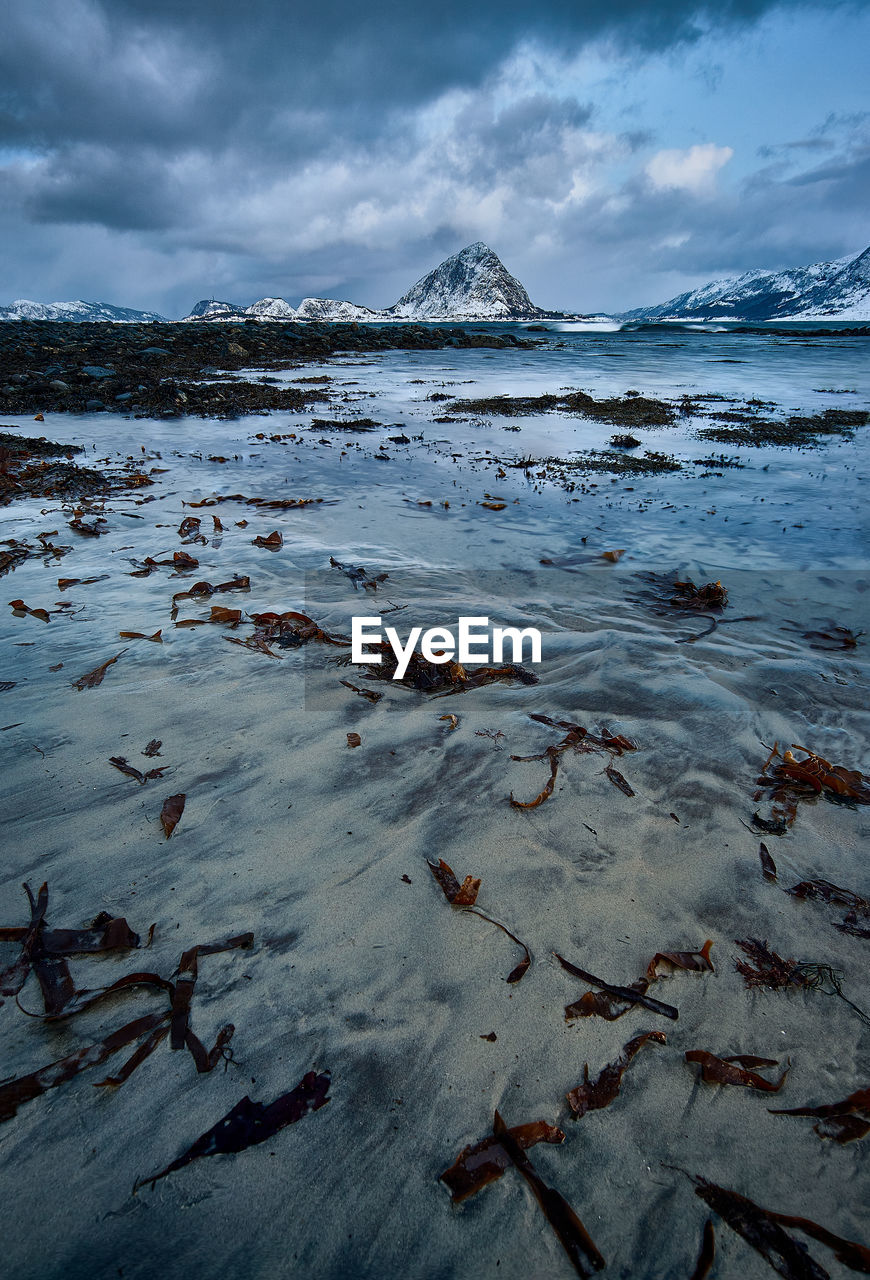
155	152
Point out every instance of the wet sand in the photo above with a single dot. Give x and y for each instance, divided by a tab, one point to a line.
359	965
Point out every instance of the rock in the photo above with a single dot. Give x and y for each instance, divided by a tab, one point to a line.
62	388
125	395
94	406
97	371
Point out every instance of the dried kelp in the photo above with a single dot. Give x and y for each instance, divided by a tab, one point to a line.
477	1166
199	590
692	961
465	896
121	763
570	1231
553	756
764	1230
768	866
272	542
767	968
712	595
359	576
170	814
20	609
593	1095
370	695
791	780
445	678
16	1092
857	918
707	1252
250	1123
633	995
736	1070
842	1122
581	741
619	781
92	679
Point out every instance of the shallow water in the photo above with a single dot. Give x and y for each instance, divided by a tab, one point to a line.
289	833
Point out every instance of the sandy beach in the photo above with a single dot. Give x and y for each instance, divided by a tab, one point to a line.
360	967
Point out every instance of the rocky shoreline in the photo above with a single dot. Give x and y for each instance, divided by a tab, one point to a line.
155	370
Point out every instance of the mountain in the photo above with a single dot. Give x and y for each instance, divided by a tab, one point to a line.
266	309
823	291
330	309
471	285
82	312
271	309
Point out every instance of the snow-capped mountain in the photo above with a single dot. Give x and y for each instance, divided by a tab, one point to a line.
332	309
83	312
471	285
271	309
265	309
837	290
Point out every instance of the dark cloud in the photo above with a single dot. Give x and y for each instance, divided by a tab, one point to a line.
157	150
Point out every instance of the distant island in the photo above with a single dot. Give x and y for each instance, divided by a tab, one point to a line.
475	286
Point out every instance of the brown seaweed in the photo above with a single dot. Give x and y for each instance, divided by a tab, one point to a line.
570	1232
249	1123
843	1121
633	995
856	921
692	961
272	542
92	679
593	1095
553	755
121	763
791	780
477	1166
619	781
464	895
354	740
359	576
153	747
734	1070
767	968
707	1252
764	1230
20	609
371	695
16	1092
170	814
768	866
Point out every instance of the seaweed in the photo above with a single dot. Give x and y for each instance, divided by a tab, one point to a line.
592	1096
767	968
20	609
354	740
768	866
92	679
371	695
477	1166
272	542
736	1070
121	763
359	576
170	814
707	1252
465	896
553	755
156	638
856	920
842	1122
249	1123
445	678
791	780
764	1230
692	961
619	781
570	1232
635	994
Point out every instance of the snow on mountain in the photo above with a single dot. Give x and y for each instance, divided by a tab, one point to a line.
837	290
271	309
471	285
82	312
212	309
333	310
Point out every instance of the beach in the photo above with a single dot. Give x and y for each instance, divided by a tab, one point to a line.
401	462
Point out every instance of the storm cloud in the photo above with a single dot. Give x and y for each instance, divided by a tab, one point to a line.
153	152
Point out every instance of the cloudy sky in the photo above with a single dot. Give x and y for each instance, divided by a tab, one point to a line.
154	152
